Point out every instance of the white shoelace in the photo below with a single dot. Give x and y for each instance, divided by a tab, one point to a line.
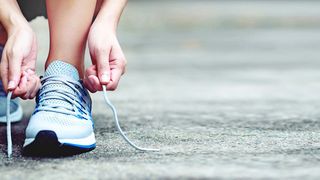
70	100
9	138
115	117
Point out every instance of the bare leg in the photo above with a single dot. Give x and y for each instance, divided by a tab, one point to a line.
69	23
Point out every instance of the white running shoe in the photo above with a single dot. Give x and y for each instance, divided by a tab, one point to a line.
61	123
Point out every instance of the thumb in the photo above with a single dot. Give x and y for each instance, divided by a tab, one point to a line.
103	68
14	71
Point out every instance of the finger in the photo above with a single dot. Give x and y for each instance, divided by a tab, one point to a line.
115	78
14	60
88	85
33	83
4	71
93	79
118	58
91	71
21	89
95	83
31	86
103	68
92	88
37	87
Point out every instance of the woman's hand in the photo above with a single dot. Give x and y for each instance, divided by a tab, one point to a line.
18	62
108	60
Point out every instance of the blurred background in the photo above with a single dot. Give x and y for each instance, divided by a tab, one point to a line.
226	88
195	45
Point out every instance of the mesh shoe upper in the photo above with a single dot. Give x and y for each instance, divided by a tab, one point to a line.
63	105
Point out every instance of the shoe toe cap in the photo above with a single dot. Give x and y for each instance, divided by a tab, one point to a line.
65	126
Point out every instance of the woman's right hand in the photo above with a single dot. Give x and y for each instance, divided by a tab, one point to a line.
18	62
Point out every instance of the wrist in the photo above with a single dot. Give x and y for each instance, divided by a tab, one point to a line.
11	17
110	12
103	26
14	23
107	22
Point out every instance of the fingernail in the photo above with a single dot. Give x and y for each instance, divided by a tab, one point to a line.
11	85
105	78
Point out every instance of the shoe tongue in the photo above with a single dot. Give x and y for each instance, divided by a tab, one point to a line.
60	68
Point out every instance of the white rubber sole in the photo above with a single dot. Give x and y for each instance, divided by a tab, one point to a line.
14	117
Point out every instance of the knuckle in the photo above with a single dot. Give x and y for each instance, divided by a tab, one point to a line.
122	63
13	52
10	54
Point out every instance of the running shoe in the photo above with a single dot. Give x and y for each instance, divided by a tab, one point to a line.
61	124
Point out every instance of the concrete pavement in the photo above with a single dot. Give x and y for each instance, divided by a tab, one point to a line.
227	90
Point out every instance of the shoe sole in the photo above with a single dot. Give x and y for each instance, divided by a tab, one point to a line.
46	143
14	117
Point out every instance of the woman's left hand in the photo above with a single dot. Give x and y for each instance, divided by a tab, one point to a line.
108	60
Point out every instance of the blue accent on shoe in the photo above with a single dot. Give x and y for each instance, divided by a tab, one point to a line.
92	146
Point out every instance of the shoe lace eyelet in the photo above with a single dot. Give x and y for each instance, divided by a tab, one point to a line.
77	86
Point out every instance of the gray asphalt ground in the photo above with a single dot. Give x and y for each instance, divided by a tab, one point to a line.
226	89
